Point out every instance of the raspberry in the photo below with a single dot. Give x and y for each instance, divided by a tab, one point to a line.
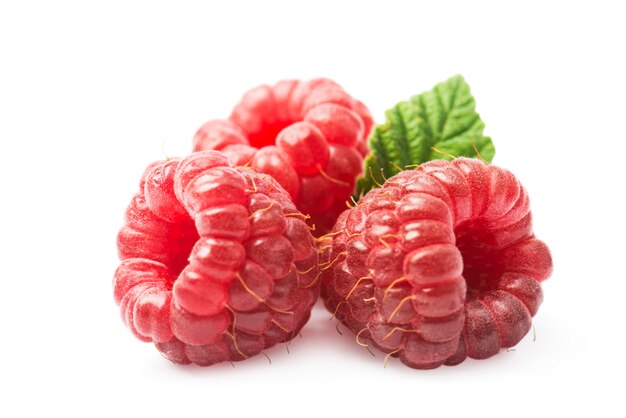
439	264
309	135
217	263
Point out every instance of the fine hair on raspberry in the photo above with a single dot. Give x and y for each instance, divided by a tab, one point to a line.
217	262
309	135
437	265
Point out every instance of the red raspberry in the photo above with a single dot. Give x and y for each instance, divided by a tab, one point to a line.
310	136
439	264
217	263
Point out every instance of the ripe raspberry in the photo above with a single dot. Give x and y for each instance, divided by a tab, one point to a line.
439	264
308	135
217	263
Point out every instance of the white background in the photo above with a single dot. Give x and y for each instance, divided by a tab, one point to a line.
89	95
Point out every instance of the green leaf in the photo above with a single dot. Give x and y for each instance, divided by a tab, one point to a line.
443	118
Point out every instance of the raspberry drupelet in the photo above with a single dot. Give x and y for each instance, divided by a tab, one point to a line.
309	135
439	264
217	262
